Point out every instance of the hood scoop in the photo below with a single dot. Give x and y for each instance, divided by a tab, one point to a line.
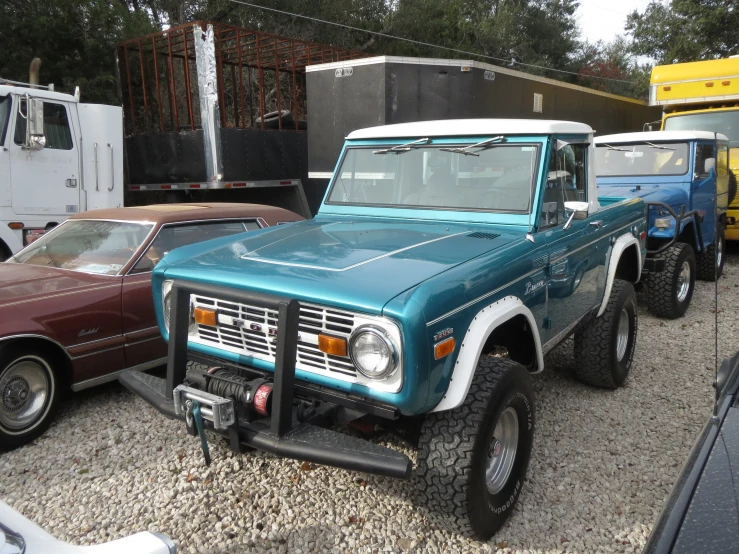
481	235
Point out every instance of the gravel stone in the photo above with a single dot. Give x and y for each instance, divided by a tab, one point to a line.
602	467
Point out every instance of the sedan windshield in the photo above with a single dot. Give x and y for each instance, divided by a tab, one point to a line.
625	160
725	122
100	247
490	175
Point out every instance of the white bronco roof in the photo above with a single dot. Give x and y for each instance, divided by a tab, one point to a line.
658	136
468	127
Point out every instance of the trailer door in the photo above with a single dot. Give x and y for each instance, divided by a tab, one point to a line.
45	182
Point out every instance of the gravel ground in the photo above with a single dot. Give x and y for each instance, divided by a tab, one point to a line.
603	464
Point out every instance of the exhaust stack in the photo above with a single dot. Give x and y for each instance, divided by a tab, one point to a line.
33	72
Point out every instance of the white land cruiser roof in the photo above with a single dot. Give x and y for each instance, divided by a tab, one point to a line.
658	136
471	127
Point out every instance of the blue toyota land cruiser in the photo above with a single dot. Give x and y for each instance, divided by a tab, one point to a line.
447	258
685	180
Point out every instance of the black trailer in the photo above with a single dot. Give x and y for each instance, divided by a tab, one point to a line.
365	92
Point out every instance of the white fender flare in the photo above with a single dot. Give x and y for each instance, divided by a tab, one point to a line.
483	324
9	237
618	248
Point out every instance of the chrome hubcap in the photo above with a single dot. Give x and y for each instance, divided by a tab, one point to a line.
622	340
24	390
683	282
502	451
719	252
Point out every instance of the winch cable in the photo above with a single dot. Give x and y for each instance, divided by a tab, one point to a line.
198	418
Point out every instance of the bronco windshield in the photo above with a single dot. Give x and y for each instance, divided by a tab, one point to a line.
490	176
627	160
100	247
725	122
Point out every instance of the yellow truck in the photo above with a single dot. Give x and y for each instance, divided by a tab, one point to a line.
703	96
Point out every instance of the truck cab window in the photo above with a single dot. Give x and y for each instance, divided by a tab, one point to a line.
702	153
4	117
566	182
56	126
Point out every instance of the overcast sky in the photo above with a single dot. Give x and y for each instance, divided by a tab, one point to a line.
604	19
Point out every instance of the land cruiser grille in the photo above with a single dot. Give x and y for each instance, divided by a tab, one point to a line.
249	330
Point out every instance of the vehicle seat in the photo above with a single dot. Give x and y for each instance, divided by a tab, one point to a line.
437	191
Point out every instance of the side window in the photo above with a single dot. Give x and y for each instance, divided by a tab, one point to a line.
567	179
174	236
56	126
722	160
703	152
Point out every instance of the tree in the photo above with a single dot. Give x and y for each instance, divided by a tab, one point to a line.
612	67
685	30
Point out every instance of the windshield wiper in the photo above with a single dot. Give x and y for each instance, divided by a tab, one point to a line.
482	145
657	146
614	148
403	147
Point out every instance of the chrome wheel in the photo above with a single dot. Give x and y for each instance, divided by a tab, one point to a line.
683	282
622	339
719	251
502	451
24	393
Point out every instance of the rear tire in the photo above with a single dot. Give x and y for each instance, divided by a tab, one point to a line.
604	347
472	460
710	263
670	291
29	395
732	186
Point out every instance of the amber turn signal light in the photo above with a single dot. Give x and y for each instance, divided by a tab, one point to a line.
205	317
15	225
336	346
444	348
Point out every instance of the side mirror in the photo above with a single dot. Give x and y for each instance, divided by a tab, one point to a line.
35	139
577	210
709	165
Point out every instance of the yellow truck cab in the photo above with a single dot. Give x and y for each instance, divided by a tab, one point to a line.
703	96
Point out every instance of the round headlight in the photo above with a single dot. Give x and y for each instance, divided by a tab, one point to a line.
373	352
167	308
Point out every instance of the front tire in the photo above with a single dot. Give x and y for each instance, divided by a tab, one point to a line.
710	263
472	460
29	394
670	291
604	346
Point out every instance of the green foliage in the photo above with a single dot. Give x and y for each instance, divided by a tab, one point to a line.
686	30
612	67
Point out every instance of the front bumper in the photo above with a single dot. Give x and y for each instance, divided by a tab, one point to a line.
284	432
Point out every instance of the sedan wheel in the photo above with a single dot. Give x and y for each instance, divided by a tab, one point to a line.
28	395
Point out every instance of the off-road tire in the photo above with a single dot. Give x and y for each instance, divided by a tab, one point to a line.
705	262
454	447
732	186
10	357
662	286
596	353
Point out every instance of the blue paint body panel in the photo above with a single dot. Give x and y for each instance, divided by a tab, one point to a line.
424	269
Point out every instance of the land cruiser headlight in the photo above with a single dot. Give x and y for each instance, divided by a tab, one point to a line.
373	352
167	307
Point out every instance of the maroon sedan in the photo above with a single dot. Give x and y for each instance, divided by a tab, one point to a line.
76	306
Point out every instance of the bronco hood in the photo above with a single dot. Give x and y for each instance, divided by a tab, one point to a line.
363	263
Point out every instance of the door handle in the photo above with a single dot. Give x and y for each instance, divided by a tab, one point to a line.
112	169
597	224
71	183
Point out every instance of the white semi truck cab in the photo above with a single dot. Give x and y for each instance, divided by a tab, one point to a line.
58	156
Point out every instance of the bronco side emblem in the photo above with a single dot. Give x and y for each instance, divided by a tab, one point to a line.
443	333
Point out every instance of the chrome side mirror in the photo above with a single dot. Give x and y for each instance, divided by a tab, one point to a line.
35	139
577	210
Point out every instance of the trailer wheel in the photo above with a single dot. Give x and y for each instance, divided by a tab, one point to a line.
710	263
472	460
4	251
670	291
604	347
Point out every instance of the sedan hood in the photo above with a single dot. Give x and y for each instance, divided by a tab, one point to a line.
22	281
361	263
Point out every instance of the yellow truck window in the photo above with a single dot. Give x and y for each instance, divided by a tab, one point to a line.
725	122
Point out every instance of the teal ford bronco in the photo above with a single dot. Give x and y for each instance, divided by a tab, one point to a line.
447	258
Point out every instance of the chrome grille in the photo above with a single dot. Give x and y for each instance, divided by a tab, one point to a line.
250	330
